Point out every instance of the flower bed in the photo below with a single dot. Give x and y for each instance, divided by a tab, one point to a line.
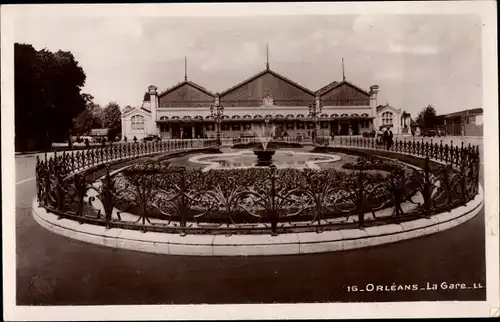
241	195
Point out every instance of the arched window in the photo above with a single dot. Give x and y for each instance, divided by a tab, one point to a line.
387	118
137	123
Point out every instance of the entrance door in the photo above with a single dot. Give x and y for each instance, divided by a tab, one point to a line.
355	127
164	130
187	132
176	131
198	131
344	128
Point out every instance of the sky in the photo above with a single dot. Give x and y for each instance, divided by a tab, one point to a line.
415	59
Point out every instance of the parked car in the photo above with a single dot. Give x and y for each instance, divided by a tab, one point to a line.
430	133
152	138
82	139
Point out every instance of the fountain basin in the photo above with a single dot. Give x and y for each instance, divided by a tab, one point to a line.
246	159
264	157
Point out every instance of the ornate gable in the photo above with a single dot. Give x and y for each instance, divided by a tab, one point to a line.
387	107
267	86
186	94
344	93
136	111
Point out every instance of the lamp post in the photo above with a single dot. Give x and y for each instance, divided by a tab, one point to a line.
314	110
217	116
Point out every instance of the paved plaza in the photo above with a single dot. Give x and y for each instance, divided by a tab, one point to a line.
54	270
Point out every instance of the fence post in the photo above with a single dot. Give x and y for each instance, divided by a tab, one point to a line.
274	212
463	174
360	199
182	210
452	158
427	188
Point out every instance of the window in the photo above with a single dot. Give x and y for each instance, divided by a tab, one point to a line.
137	123
164	127
387	118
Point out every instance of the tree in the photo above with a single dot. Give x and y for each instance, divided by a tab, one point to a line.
112	119
89	118
427	117
47	96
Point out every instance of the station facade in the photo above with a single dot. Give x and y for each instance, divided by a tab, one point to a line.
184	110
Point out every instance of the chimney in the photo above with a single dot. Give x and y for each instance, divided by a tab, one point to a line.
373	105
153	98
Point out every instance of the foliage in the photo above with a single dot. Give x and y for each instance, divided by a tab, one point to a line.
89	118
112	120
427	117
47	95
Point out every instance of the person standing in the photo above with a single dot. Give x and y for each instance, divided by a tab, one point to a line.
389	139
385	137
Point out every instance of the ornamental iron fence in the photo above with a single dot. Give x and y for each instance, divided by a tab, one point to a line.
160	197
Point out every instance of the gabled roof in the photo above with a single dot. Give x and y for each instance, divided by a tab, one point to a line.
333	85
473	111
186	82
381	107
266	71
326	88
127	108
141	110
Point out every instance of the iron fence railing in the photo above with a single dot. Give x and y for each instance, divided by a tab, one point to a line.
71	161
448	153
164	198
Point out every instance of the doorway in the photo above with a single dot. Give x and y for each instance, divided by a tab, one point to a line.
176	131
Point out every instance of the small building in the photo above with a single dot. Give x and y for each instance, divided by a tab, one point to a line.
99	133
389	116
465	122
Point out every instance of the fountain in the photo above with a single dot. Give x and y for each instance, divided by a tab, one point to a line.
264	134
266	156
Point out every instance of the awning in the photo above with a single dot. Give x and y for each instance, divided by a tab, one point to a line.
253	120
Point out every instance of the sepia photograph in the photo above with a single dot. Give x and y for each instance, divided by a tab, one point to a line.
279	160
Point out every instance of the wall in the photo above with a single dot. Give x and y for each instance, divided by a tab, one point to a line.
267	84
186	95
345	94
396	120
127	131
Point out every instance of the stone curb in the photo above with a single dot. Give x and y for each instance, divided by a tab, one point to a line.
250	245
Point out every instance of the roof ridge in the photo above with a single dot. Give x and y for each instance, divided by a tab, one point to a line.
188	82
262	73
243	82
338	84
324	88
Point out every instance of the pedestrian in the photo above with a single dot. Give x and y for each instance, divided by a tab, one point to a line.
389	138
385	137
87	143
